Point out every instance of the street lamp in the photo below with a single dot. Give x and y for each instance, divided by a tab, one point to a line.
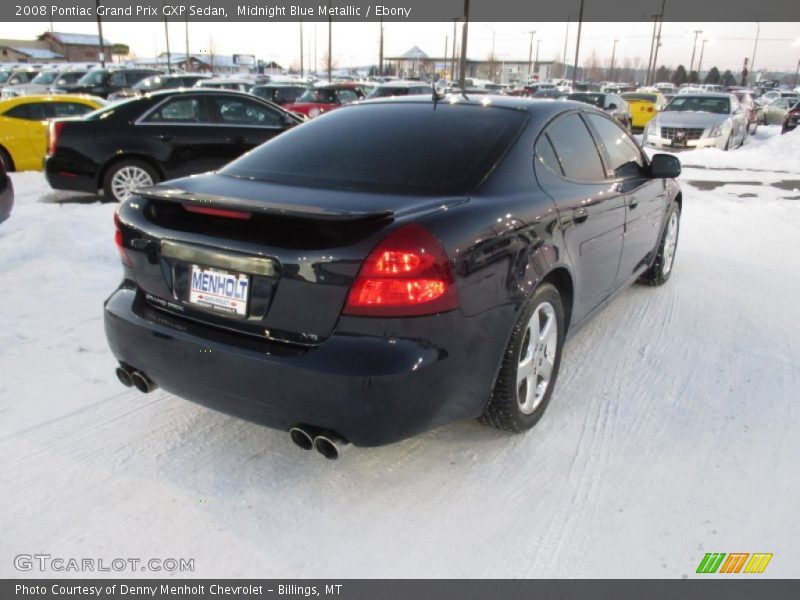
700	62
753	60
613	55
530	55
694	48
491	64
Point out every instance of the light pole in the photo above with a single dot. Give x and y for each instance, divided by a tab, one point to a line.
566	40
169	55
658	37
753	60
613	55
100	35
530	56
578	45
491	63
694	49
536	60
796	72
700	62
330	42
302	69
380	52
188	62
462	69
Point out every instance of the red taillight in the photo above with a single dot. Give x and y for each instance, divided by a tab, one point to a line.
407	274
217	212
53	133
118	241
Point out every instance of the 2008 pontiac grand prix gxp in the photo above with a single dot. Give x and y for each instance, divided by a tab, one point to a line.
390	267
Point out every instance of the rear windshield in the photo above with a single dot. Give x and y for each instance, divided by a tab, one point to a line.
45	78
593	99
646	97
318	96
94	77
406	148
710	104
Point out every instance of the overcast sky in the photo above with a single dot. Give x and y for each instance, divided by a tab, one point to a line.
357	43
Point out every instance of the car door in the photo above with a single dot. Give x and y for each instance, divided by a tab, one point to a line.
244	123
645	197
776	111
18	122
181	135
591	212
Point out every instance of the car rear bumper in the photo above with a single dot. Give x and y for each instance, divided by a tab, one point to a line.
68	175
374	381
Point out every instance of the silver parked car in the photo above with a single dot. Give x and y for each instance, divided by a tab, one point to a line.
699	121
775	112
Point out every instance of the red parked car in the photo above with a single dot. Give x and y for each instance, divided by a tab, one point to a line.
319	99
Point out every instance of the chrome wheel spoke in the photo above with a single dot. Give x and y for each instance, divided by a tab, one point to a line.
537	358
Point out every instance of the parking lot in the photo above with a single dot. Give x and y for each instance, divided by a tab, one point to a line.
672	433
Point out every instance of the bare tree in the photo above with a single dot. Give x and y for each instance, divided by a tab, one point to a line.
212	53
323	62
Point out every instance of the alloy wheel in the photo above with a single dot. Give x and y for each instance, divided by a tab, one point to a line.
127	179
537	358
670	243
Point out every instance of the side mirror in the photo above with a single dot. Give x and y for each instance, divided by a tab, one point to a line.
664	166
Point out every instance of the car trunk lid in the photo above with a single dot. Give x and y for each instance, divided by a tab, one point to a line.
274	261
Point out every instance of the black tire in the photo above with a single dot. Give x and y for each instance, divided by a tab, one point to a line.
656	274
109	194
728	141
504	410
5	157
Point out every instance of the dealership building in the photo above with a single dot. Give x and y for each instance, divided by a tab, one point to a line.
53	47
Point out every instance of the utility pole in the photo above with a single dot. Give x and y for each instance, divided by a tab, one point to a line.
530	56
453	75
316	64
613	55
694	49
536	60
796	73
302	69
444	63
700	62
188	61
100	34
380	51
578	45
492	61
652	48
566	39
753	60
462	74
169	56
330	43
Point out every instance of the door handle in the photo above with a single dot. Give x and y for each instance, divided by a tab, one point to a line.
165	137
239	139
579	215
632	202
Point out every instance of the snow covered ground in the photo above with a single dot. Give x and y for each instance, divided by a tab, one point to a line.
673	430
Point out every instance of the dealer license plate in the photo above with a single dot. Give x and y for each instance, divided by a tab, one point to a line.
219	290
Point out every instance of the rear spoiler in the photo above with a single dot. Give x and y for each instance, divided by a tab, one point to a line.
265	207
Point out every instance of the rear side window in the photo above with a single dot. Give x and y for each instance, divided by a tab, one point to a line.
178	110
547	156
22	111
239	111
626	159
575	149
410	148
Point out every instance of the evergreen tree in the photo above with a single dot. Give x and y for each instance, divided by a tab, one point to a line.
679	76
713	76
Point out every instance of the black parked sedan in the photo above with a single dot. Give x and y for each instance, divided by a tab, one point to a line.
613	104
6	192
156	137
428	270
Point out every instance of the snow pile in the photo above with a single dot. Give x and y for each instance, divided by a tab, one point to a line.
673	430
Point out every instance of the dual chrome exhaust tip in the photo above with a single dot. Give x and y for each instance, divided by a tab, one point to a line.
130	377
328	443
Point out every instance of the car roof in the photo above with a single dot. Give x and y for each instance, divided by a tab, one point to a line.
540	106
402	84
18	100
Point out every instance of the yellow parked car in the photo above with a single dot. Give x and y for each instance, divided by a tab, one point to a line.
24	121
644	106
